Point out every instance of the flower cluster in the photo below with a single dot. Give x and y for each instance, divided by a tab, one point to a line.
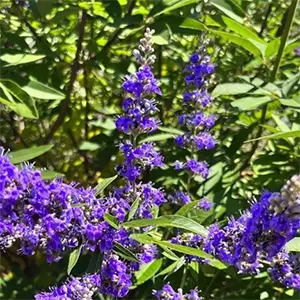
285	268
168	293
194	120
260	233
77	288
140	106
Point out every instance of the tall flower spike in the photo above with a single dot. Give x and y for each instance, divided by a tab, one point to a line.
139	108
195	122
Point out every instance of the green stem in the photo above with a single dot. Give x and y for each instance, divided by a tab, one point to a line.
284	37
211	283
184	274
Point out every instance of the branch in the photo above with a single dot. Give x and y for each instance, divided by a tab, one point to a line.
74	69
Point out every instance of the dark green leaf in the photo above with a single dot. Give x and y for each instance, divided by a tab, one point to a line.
126	253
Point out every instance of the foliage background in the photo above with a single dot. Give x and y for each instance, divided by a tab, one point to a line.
62	64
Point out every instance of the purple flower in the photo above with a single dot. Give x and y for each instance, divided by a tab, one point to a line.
76	288
168	293
205	205
285	269
180	198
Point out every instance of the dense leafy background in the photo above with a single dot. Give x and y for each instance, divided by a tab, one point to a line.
62	64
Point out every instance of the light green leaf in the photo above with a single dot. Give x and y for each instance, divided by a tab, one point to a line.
134	207
244	43
193	24
48	175
111	220
176	221
294	244
41	91
104	183
19	108
290	102
272	48
23	155
280	135
171	130
73	258
17	59
250	103
157	137
226	8
178	4
231	89
89	146
147	271
159	40
242	30
182	211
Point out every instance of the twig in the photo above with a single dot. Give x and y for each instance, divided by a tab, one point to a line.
74	69
265	21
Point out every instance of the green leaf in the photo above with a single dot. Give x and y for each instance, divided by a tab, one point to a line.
143	238
178	4
231	89
174	267
147	271
134	207
281	135
19	108
111	220
244	43
193	24
290	102
95	263
73	258
243	30
250	103
21	95
89	146
104	183
125	252
44	7
176	221
17	59
23	155
288	85
227	9
294	244
48	175
187	208
160	40
272	48
157	137
41	91
171	130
